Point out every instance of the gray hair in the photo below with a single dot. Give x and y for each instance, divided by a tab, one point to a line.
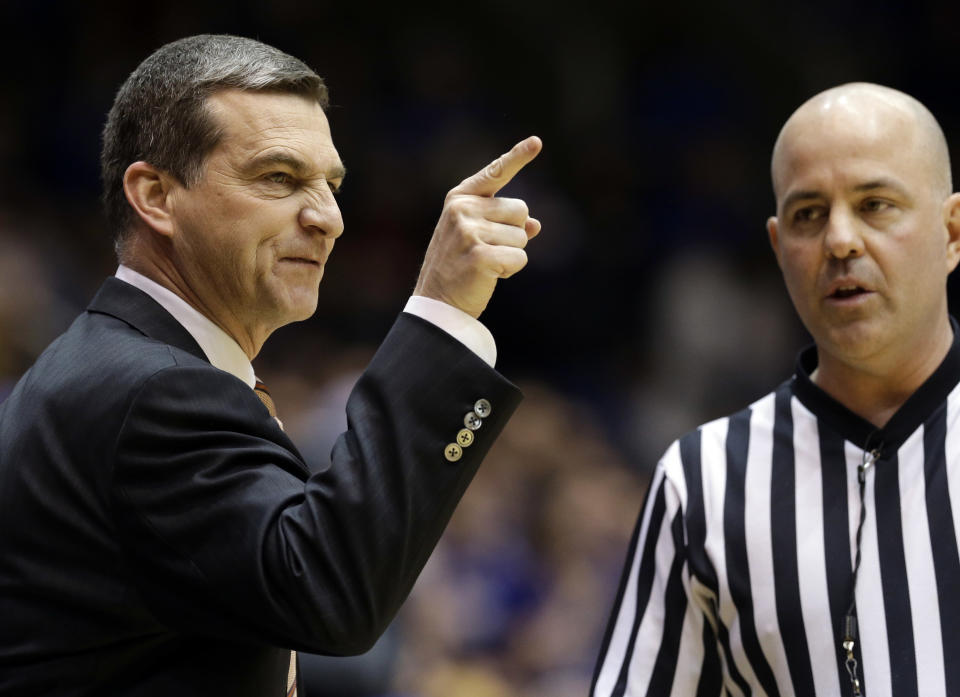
159	114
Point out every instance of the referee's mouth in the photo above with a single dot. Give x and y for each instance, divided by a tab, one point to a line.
845	290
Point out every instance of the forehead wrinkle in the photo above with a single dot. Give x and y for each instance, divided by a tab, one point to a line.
249	104
891	183
287	140
254	137
253	122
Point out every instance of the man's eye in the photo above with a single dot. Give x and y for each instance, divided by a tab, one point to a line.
279	178
875	205
808	214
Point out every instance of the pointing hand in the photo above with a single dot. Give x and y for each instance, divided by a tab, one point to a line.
479	238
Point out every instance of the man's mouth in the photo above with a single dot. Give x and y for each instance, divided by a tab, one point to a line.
302	260
847	292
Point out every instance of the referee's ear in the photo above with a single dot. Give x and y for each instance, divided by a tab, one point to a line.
772	231
951	219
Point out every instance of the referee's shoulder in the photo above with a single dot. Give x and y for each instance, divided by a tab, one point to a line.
716	431
698	459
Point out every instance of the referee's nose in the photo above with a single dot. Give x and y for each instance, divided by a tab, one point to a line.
841	234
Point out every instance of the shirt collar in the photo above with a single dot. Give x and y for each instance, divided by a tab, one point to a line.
220	348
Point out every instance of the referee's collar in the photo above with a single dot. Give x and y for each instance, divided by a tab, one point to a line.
918	407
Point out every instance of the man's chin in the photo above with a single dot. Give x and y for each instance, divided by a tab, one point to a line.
291	301
854	342
302	312
296	308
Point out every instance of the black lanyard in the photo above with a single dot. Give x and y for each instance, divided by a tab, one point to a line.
849	641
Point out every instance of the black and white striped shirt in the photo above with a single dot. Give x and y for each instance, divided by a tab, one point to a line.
740	569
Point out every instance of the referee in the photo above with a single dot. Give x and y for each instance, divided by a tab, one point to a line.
807	545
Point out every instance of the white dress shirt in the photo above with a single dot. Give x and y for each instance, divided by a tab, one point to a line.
225	353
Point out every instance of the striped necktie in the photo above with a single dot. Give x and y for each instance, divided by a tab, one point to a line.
264	394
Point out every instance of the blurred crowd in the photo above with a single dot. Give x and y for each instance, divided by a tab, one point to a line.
651	302
513	600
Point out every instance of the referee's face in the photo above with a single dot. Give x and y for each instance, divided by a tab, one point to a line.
862	233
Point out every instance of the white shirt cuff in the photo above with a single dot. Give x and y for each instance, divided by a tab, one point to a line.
468	331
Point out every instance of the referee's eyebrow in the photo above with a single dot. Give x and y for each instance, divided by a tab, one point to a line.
883	183
872	185
795	196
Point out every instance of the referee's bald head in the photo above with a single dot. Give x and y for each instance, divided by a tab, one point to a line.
862	108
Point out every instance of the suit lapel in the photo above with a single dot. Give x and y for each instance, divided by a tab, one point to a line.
131	305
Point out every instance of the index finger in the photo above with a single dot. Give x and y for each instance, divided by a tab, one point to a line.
489	180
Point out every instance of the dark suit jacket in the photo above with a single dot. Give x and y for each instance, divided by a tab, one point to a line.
160	535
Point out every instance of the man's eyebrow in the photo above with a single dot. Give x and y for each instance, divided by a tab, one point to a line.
337	172
882	183
295	164
800	196
272	159
872	185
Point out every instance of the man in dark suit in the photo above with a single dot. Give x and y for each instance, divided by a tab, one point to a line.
159	534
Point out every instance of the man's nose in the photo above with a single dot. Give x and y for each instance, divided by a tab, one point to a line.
842	237
324	218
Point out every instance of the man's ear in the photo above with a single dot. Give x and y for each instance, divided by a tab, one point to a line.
148	192
951	220
773	231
